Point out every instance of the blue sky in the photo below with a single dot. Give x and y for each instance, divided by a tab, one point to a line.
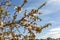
51	13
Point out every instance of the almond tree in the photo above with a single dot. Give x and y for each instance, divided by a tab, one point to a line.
8	21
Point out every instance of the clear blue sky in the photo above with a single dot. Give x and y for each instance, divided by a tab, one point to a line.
51	13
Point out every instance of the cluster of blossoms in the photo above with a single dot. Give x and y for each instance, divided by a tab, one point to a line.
28	22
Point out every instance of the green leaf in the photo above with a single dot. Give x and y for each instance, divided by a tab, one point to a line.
1	11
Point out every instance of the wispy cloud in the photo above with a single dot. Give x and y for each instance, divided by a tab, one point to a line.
46	11
54	1
51	7
55	29
53	33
